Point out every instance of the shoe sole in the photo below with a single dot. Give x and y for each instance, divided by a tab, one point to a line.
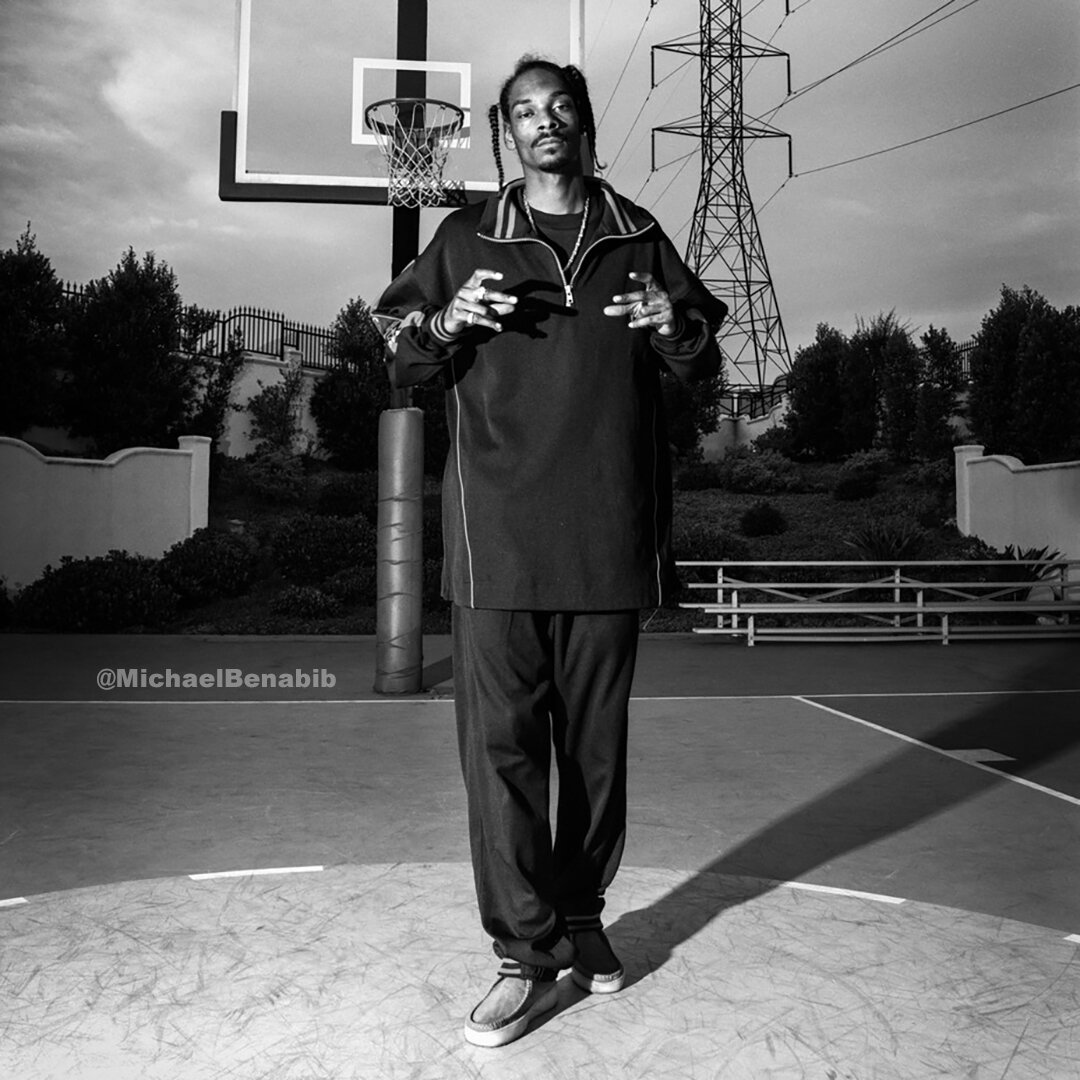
596	985
516	1028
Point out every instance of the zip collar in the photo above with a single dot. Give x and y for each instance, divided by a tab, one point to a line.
504	216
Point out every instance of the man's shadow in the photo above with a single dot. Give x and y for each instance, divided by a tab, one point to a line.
891	796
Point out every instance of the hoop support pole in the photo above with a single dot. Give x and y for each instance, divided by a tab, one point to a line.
399	652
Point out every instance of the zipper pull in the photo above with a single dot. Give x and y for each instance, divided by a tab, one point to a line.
569	295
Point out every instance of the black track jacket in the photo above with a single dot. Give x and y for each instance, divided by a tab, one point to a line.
557	489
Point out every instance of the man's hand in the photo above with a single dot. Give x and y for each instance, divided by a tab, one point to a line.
648	307
476	305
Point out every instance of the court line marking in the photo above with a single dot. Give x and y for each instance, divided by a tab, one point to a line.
426	699
257	873
832	890
14	901
943	753
1074	938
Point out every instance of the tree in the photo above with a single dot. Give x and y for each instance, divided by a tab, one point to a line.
936	398
275	413
347	401
692	411
814	390
32	342
132	380
894	361
1025	379
216	374
1047	410
992	396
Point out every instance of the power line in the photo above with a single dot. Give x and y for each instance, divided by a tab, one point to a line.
685	159
898	38
945	131
629	57
600	32
683	67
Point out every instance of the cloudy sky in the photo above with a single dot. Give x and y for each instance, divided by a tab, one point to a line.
109	139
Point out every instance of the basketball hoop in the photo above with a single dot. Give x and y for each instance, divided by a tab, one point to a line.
414	135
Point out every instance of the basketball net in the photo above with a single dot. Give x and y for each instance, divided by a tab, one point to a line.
414	135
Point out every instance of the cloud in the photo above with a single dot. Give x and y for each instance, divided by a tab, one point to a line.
20	137
170	70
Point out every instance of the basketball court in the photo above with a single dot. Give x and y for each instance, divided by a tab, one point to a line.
843	861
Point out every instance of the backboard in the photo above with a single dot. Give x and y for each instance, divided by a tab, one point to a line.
307	72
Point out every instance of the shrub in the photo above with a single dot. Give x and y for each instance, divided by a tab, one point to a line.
304	602
698	476
1042	568
7	608
433	538
747	473
777	439
887	539
350	494
354	585
433	598
274	476
101	594
939	474
275	419
208	565
855	486
763	519
866	462
696	541
311	549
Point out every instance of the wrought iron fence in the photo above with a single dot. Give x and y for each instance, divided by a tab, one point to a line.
269	333
265	333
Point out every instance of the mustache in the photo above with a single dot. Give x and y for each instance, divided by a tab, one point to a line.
546	138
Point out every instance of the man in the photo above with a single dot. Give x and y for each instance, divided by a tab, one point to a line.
549	311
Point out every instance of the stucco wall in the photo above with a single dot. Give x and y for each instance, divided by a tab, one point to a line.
1003	501
735	431
142	500
237	441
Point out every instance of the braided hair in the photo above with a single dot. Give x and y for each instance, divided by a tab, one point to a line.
575	84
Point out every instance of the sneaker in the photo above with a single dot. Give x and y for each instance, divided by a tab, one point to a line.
521	993
596	967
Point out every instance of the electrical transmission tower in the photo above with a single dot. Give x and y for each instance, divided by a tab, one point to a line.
725	248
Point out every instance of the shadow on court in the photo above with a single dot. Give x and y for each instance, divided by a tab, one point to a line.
909	787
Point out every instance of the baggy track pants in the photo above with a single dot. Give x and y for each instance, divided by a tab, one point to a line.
524	682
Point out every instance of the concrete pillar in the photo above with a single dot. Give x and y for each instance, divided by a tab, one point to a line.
962	455
199	490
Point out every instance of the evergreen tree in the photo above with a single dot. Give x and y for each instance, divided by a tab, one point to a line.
894	361
936	400
814	390
994	377
32	342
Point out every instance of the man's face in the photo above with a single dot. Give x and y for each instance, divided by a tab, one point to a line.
544	123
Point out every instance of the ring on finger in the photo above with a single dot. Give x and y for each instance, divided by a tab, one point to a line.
470	317
481	294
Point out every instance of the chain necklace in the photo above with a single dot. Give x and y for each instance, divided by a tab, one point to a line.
577	244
